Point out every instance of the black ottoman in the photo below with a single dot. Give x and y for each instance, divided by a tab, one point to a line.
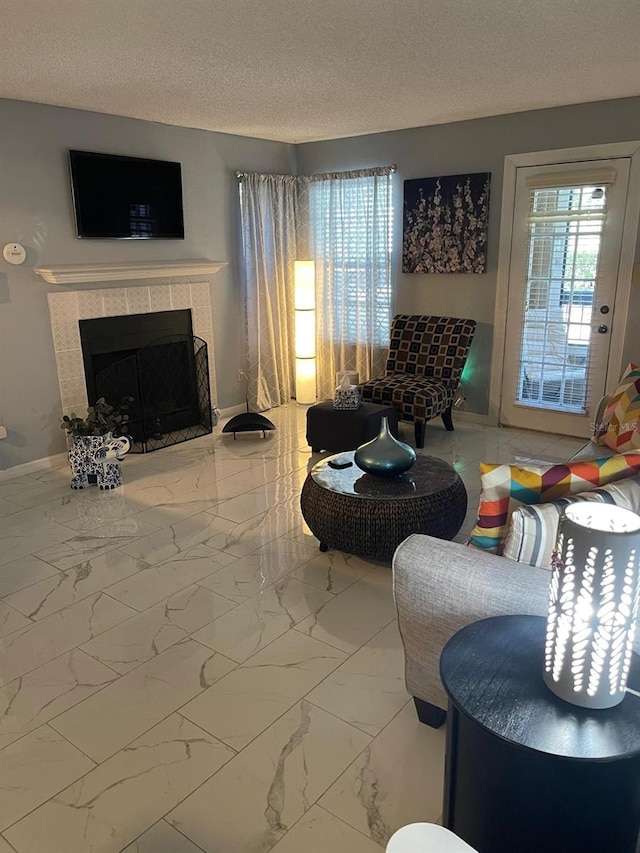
345	429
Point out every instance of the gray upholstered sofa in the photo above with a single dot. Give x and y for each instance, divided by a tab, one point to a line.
440	587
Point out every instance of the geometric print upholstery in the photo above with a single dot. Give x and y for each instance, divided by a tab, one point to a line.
506	487
417	400
426	358
533	530
434	347
620	428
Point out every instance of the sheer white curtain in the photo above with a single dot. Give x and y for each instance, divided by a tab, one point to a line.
269	215
350	222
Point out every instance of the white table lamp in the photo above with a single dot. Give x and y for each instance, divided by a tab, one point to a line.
593	604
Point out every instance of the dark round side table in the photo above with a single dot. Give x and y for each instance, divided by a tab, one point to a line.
526	771
369	516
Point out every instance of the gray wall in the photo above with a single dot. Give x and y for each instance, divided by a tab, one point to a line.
474	146
36	210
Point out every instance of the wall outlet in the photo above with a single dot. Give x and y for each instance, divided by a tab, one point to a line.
459	399
3	431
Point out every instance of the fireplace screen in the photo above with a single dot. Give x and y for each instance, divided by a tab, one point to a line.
168	381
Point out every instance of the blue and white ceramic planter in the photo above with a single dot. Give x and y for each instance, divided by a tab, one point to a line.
94	459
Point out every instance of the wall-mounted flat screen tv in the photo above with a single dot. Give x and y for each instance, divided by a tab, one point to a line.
126	198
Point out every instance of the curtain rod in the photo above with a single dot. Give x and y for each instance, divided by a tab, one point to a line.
392	168
241	175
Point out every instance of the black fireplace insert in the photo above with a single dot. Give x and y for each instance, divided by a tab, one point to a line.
156	363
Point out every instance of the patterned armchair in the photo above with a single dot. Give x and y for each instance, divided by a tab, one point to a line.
425	362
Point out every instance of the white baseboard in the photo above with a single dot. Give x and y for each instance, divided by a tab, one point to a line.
233	410
472	418
50	462
47	463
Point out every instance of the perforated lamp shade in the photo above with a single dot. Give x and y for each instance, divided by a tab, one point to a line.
593	604
305	330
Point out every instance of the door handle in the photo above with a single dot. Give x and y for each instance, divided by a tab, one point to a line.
603	329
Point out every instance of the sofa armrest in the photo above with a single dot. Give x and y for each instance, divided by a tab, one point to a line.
591	450
439	587
599	416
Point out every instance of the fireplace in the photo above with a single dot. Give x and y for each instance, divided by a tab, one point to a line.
156	365
156	295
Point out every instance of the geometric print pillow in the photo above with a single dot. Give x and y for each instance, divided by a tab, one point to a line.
505	487
620	419
534	529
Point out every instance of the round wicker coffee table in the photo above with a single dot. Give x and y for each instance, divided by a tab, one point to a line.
351	511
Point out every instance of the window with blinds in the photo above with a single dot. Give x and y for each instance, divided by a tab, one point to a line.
565	227
350	221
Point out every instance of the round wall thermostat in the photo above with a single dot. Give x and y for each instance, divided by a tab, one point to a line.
14	253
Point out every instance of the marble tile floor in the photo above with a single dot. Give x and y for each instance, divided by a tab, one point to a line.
183	671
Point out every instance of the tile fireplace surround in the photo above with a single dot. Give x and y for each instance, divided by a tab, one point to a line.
67	308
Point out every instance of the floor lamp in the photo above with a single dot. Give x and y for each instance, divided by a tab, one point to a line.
305	330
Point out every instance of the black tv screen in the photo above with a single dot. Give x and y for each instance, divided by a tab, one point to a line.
126	198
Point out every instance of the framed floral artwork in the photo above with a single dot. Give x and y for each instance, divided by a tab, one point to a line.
445	224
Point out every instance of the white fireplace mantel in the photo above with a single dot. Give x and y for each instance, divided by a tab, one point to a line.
69	306
88	273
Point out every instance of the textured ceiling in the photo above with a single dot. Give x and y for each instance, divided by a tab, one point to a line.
301	70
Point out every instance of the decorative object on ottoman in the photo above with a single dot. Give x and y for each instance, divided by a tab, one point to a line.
345	429
347	396
96	452
385	456
593	605
354	377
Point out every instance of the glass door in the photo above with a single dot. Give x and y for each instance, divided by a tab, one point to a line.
564	265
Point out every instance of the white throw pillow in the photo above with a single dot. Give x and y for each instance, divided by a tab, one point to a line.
534	529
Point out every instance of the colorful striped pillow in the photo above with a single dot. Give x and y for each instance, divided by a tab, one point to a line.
534	529
505	487
620	430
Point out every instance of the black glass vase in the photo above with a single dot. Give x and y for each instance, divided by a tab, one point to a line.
385	456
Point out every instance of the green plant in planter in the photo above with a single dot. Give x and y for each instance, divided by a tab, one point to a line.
101	419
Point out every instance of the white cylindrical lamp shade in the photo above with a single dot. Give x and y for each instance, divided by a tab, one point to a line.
305	330
593	604
305	380
304	273
305	343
